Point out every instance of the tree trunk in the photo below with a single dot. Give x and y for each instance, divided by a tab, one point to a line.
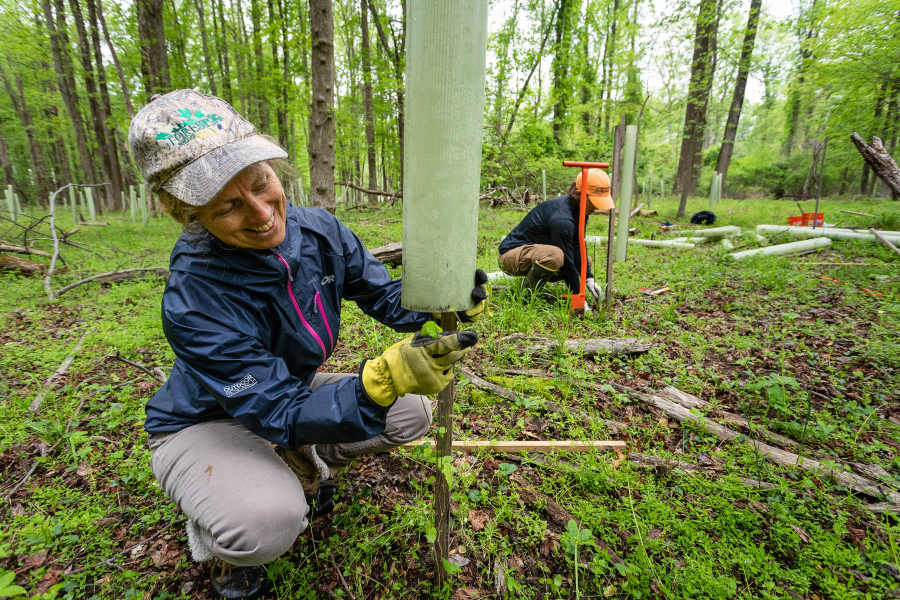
368	104
59	43
560	67
180	52
114	191
618	147
610	55
154	54
37	161
222	50
321	115
112	51
702	69
881	163
794	96
261	95
396	55
810	173
198	4
98	117
280	104
6	164
239	60
740	87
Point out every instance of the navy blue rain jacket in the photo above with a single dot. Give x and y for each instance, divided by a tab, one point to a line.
249	329
554	223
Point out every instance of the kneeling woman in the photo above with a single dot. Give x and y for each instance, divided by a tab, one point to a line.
245	429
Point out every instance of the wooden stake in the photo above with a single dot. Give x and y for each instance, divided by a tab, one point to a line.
885	241
443	445
541	447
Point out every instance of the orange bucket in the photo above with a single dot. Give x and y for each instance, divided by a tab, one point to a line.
809	217
795	221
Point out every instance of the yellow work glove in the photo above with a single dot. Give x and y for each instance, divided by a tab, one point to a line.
419	365
480	295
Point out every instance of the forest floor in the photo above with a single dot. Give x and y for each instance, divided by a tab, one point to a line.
806	349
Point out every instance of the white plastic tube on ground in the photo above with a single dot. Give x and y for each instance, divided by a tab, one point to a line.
500	278
641	242
813	245
691	240
830	233
729	231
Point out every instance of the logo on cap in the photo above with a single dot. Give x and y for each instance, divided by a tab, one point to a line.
196	125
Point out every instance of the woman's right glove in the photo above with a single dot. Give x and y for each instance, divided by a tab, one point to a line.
417	365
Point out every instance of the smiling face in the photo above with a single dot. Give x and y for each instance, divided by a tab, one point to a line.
250	211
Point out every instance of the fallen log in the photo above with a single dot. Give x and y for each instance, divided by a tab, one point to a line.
390	254
589	347
116	277
780	457
23	250
636	210
538	446
648	460
853	212
366	191
879	160
21	266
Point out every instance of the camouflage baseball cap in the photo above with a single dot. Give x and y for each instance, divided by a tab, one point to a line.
192	145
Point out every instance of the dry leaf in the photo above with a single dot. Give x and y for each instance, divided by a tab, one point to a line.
478	519
664	421
459	560
465	593
50	579
803	535
35	560
84	469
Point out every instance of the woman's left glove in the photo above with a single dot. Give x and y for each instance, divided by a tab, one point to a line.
480	296
417	365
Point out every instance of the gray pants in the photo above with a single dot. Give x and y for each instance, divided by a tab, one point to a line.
248	505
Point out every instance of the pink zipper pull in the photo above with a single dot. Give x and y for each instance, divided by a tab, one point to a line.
286	265
316	305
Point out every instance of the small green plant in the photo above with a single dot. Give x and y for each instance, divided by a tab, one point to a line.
8	588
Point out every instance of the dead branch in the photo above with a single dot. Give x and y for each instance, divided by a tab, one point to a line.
368	191
117	277
884	240
879	160
118	356
105	561
35	405
21	265
595	347
636	210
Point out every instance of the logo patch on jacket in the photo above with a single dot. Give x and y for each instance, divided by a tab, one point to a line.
247	382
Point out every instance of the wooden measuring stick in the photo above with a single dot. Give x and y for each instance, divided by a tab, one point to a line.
526	446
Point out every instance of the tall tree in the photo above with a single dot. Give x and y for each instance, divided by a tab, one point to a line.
702	70
796	90
5	163
222	50
21	108
561	88
740	87
65	78
98	116
609	62
368	103
321	116
210	76
106	114
260	84
397	55
276	25
154	55
126	95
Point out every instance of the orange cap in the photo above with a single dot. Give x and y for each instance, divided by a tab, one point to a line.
598	189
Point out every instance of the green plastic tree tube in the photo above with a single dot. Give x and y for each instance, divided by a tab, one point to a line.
624	199
814	245
132	197
145	210
445	74
92	209
73	204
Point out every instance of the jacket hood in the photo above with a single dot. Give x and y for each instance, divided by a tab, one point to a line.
207	256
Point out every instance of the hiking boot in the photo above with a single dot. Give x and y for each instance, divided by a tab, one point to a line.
321	502
537	276
231	582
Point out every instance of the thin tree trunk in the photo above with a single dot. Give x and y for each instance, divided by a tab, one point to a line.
702	69
794	96
5	162
611	45
59	43
286	81
178	42
280	105
90	85
198	4
561	67
37	161
396	55
222	48
368	103
114	191
261	86
239	60
810	173
153	46
740	87
321	116
522	91
112	51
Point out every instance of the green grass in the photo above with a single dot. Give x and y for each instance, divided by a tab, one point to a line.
808	358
